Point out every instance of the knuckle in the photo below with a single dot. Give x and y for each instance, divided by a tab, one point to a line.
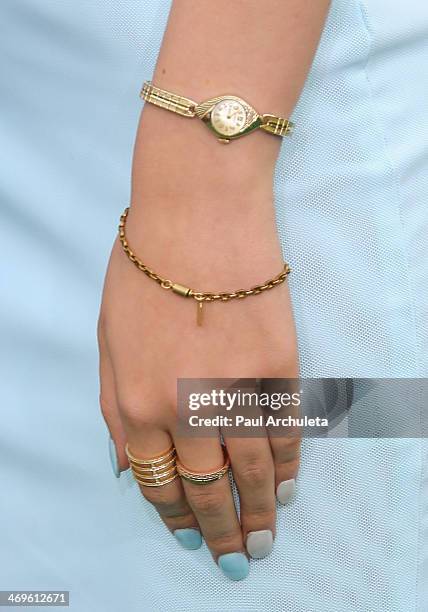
169	509
289	451
133	412
206	501
290	467
262	512
167	504
156	495
140	412
253	474
173	512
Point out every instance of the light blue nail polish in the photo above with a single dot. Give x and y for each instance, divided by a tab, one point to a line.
234	565
189	538
113	458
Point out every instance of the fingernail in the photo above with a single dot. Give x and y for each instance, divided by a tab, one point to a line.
190	539
286	490
259	543
113	458
234	565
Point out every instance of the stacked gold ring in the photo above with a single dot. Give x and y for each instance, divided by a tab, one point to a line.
155	471
203	478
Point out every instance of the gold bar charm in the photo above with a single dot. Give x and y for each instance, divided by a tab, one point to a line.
180	289
199	313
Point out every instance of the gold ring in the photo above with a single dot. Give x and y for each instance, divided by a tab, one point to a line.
203	478
155	471
157	481
152	460
160	483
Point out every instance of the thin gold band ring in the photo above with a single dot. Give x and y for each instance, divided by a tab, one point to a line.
201	478
152	460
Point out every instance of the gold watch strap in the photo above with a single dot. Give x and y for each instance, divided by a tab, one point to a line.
187	107
166	99
276	125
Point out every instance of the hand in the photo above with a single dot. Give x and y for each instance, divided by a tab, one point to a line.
148	339
203	215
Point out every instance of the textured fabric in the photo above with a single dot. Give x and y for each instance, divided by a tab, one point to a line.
351	191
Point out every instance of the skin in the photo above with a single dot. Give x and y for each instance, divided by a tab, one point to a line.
202	214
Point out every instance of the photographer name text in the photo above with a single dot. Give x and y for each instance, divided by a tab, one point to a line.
239	420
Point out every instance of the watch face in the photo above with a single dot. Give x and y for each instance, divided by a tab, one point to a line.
228	117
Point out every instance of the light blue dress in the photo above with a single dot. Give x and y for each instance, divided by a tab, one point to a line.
351	192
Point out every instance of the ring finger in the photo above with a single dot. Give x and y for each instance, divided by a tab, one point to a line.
253	471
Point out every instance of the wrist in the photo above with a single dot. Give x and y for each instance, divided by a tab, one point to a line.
200	209
200	245
179	158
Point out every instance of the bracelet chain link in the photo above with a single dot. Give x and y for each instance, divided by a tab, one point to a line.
184	291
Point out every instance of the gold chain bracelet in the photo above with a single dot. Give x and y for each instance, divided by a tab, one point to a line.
184	291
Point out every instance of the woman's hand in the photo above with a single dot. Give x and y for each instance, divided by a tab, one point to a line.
202	215
148	339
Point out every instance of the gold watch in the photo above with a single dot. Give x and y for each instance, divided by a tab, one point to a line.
228	116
